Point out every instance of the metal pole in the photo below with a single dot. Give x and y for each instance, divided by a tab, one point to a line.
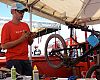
30	53
98	57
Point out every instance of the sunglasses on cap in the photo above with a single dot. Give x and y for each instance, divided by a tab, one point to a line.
20	11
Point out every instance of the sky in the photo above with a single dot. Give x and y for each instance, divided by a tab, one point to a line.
5	12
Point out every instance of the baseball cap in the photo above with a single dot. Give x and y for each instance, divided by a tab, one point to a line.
19	6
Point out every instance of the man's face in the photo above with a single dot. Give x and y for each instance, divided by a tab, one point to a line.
19	14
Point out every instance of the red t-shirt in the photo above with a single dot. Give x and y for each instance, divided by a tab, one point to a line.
11	32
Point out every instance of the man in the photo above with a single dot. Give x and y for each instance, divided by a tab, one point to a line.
16	37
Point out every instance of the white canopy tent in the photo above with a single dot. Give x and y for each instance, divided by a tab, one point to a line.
62	11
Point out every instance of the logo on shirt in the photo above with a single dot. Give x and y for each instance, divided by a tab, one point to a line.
20	31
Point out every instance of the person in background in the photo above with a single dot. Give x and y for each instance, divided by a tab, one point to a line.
15	37
37	51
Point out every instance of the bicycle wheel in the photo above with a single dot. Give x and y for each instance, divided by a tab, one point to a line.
94	69
57	53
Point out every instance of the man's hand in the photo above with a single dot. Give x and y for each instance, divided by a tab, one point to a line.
33	35
25	35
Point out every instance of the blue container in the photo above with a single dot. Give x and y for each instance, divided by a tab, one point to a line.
93	40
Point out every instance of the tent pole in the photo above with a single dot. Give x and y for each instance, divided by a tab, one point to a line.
30	53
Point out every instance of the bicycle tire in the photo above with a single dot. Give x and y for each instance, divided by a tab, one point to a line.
46	52
91	70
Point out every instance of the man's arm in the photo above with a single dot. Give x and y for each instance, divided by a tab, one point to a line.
16	42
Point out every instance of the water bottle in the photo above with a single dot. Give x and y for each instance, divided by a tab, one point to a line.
35	73
13	73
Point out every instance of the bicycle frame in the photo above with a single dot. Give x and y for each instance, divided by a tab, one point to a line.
77	60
